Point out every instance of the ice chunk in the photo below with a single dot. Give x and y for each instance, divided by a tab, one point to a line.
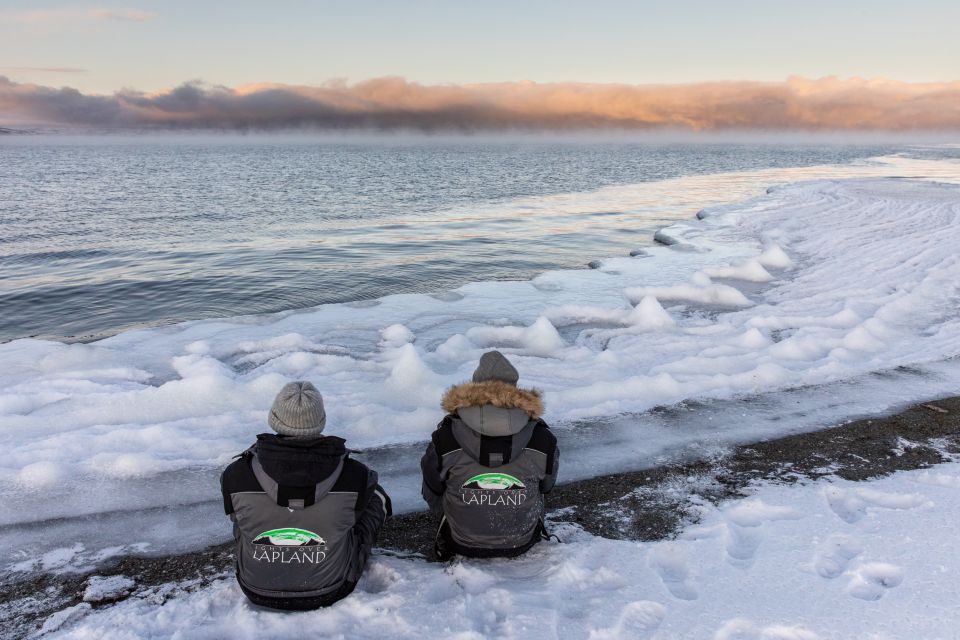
411	381
774	257
649	315
711	294
396	335
665	237
39	475
862	339
101	588
65	618
577	314
752	339
841	319
750	270
539	339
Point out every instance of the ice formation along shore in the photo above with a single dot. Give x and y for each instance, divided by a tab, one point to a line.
811	283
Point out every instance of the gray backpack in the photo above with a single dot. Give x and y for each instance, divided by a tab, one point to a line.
494	486
297	542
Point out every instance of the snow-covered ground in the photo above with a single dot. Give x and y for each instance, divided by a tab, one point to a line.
830	559
813	283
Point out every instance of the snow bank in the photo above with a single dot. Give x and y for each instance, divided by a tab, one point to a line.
781	564
866	280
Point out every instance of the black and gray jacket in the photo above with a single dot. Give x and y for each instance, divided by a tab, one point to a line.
305	518
487	468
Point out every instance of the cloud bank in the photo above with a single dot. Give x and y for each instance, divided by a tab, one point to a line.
796	104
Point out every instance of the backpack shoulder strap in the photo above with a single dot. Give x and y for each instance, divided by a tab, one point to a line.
544	441
268	484
443	440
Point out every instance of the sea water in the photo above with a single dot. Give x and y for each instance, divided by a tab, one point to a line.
102	234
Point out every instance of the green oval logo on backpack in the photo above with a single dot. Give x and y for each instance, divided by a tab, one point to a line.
494	481
289	537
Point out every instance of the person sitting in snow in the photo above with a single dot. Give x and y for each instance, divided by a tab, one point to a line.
489	464
305	515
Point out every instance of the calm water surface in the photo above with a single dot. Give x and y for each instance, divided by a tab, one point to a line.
99	235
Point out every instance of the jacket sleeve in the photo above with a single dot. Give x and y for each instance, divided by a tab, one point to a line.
433	484
229	484
550	479
227	501
376	509
236	478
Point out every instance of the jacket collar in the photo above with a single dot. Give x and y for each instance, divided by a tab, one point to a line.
494	393
299	462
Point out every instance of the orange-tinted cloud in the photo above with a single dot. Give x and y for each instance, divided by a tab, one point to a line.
796	104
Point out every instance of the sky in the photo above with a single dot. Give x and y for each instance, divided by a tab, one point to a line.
100	48
153	45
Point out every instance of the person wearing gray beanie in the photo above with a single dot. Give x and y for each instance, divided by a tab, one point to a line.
298	411
489	464
495	366
306	516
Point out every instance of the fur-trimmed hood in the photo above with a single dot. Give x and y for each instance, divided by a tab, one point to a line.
495	393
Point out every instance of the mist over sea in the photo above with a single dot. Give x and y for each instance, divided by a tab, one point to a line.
103	234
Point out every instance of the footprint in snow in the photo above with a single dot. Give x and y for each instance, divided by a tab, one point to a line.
744	629
871	580
833	556
490	613
744	527
378	578
670	563
742	544
851	505
638	620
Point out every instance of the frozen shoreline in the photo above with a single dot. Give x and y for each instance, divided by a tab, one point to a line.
653	504
764	321
821	301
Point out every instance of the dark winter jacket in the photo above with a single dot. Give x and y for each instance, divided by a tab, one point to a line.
487	468
305	518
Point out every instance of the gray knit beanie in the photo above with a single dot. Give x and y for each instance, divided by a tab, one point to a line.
495	366
298	411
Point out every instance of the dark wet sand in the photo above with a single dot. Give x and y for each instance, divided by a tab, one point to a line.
652	504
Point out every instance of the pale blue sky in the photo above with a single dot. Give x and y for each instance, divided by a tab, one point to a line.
152	45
